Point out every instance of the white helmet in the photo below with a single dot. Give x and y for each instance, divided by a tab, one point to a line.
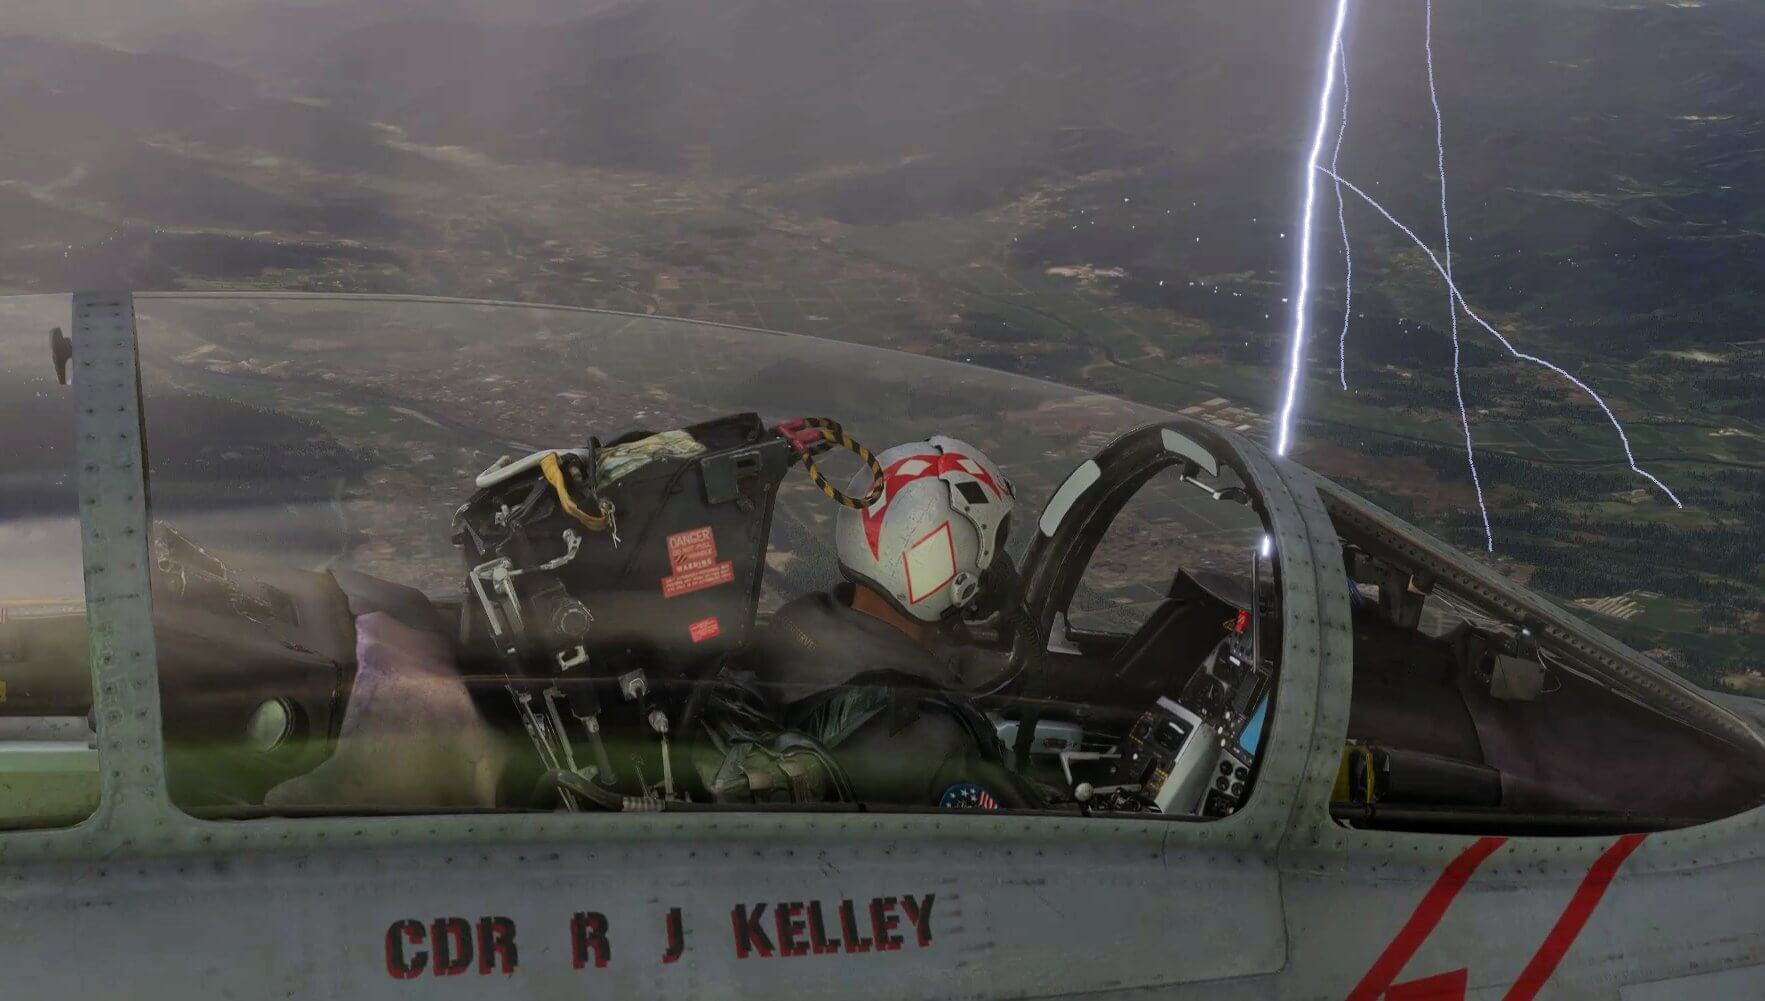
939	524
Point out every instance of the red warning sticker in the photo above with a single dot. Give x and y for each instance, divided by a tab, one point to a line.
692	556
697	580
703	630
693	550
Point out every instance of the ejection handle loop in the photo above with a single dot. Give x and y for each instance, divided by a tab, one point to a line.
818	434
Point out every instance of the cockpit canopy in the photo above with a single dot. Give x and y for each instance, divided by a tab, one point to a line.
334	482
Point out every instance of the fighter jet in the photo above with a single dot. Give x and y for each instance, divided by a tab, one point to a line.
353	694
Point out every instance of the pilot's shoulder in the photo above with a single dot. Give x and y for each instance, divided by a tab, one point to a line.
801	620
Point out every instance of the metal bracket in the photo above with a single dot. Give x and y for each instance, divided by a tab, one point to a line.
114	537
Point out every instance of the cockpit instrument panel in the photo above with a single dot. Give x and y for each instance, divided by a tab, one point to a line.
1194	754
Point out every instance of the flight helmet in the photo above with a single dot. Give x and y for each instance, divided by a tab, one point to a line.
927	541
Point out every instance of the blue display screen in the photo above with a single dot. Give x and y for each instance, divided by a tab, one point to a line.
1252	735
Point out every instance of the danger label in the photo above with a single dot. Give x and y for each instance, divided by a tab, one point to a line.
694	550
697	580
703	630
692	555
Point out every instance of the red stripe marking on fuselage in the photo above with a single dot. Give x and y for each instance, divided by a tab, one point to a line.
1440	987
1573	920
1423	921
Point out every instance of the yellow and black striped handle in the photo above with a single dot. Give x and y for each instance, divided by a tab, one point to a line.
813	435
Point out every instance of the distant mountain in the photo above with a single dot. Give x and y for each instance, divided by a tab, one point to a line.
101	149
144	185
64	104
773	87
104	22
912	107
271	37
28	220
1576	131
60	102
242	32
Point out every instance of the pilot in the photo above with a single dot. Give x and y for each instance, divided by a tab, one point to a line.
871	673
872	670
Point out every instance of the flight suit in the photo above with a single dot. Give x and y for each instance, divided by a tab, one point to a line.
887	709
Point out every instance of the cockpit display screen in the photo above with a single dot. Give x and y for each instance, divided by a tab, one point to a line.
1251	736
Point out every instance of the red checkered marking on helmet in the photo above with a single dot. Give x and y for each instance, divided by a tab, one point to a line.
911	469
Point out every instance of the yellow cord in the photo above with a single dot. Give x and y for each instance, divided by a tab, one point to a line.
554	474
1368	752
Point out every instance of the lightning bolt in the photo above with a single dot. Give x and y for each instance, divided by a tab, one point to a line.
1296	349
1456	296
1342	220
1458	384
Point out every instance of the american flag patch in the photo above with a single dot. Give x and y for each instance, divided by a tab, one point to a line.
968	796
